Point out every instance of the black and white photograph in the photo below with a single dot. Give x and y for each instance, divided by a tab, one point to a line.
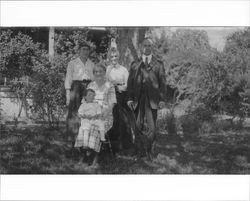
125	100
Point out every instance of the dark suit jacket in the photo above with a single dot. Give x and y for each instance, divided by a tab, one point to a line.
154	80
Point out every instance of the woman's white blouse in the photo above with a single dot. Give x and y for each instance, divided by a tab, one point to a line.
117	75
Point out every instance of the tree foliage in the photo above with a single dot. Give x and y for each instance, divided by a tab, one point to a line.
217	80
67	40
225	81
48	94
184	54
196	71
67	43
18	54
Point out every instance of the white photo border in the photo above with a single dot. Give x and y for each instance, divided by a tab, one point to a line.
125	13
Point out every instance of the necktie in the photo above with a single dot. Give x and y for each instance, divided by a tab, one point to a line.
146	62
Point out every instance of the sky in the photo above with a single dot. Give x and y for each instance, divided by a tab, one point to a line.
216	35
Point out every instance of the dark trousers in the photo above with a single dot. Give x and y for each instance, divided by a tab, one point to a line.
77	92
146	120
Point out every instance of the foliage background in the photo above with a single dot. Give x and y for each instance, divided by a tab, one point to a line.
197	74
201	75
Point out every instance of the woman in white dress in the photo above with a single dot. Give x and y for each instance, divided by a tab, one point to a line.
118	76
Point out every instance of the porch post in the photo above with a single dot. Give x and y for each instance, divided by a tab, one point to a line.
51	42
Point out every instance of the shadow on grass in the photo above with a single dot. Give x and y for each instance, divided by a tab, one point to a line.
45	151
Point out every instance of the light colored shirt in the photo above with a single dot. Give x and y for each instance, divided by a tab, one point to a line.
77	70
117	74
149	58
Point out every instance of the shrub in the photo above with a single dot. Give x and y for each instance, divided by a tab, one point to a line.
201	112
242	88
171	124
167	121
48	93
67	40
190	125
195	120
67	43
18	55
184	53
224	81
22	58
203	75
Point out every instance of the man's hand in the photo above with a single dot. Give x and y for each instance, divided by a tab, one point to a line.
67	97
131	105
161	104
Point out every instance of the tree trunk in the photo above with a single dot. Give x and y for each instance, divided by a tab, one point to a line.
122	45
142	32
128	44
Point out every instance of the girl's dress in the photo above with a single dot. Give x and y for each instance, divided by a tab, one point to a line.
88	112
105	97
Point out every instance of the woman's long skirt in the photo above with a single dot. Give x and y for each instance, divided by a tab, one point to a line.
121	131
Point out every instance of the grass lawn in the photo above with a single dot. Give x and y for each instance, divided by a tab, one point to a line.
40	150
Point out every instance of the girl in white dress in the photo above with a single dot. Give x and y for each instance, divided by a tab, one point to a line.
90	114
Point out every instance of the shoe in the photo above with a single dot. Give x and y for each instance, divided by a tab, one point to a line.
88	153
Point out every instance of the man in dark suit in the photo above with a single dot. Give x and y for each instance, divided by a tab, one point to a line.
146	92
